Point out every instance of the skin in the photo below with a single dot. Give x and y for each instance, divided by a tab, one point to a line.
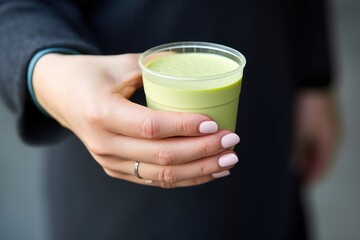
89	96
94	93
316	133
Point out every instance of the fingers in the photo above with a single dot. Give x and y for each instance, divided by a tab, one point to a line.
172	151
190	170
185	183
192	173
169	162
183	163
176	173
134	120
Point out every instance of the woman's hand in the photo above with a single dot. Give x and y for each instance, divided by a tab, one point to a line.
89	95
316	132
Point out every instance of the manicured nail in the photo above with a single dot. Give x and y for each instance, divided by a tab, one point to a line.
208	127
228	160
230	140
221	174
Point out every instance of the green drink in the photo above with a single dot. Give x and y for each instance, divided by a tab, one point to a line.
194	77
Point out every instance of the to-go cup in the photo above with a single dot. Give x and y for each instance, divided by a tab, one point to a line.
197	77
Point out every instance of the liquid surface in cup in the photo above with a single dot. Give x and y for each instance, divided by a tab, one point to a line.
188	65
195	82
197	69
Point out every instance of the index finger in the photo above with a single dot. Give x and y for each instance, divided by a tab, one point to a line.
134	120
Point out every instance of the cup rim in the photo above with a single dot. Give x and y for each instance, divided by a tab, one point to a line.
194	44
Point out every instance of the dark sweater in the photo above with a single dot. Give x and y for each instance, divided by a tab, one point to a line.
285	43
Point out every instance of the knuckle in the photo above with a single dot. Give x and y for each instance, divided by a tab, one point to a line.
203	169
150	128
164	157
97	148
92	115
168	175
98	113
183	128
208	148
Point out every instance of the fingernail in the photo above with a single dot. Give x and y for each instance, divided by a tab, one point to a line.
230	140
228	160
208	127
221	174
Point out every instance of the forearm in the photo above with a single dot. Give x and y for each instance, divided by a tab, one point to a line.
27	27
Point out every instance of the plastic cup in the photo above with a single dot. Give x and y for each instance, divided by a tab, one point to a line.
197	77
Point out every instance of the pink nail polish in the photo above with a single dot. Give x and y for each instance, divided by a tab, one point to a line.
221	174
208	127
230	140
228	160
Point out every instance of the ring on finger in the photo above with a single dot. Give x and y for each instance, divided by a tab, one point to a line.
136	170
136	173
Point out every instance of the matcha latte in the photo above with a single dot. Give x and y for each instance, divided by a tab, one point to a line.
194	77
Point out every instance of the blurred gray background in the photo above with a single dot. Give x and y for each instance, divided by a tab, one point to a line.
334	202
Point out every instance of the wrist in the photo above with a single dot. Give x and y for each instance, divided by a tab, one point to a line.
31	70
48	84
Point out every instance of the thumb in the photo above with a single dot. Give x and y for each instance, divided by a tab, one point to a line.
130	82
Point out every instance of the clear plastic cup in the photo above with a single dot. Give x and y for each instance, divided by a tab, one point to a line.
195	77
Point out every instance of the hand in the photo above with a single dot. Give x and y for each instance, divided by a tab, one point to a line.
89	95
316	132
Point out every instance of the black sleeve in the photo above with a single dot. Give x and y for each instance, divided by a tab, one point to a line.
313	44
25	28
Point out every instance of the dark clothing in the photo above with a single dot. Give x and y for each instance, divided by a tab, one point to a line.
286	49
